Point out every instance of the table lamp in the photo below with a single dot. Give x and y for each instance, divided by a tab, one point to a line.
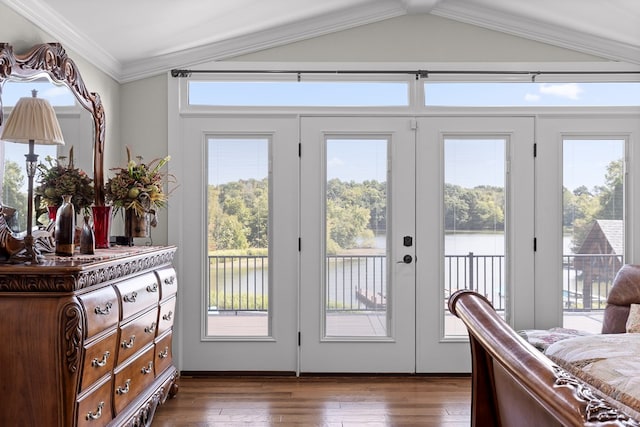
32	121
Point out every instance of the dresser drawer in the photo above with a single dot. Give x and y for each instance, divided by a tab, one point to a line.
94	409
138	294
168	282
99	359
164	356
102	311
167	314
137	333
132	378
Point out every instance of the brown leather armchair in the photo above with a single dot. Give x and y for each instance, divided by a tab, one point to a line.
624	292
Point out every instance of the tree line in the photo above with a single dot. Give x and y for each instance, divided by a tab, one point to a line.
238	212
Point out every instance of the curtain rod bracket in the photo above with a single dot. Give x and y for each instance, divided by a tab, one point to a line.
180	73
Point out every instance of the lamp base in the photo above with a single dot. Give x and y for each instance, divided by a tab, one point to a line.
30	254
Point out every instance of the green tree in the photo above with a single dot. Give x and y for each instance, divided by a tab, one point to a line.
611	195
345	224
230	234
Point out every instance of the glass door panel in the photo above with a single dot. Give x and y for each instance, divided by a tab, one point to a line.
238	236
593	189
356	238
474	221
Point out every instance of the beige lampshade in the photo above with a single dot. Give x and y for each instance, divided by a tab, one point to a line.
33	119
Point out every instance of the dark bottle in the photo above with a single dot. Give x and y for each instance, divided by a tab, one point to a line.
87	238
65	227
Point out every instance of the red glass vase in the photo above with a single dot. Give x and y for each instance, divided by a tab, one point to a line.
52	211
102	225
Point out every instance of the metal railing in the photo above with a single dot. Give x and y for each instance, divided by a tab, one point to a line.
359	282
587	280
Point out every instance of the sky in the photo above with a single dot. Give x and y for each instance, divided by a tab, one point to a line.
396	94
348	159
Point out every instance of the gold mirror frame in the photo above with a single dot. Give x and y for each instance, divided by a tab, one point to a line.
52	60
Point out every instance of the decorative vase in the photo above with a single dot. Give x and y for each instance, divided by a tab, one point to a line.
65	227
101	225
135	225
87	238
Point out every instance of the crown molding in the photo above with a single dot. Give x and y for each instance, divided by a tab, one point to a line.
554	35
50	21
279	36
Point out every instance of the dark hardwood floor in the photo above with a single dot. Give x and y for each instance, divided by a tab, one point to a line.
318	401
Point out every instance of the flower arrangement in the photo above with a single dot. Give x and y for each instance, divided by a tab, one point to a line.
57	178
138	186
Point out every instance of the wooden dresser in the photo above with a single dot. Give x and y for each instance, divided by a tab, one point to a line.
86	341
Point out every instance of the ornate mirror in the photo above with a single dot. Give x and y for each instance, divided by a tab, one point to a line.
51	60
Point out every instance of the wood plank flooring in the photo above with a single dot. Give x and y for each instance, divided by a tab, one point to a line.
318	401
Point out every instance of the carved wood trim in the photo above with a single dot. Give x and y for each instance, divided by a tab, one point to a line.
70	281
72	324
597	409
52	59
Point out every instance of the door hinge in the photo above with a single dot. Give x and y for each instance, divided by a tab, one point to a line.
535	244
299	149
299	338
535	149
299	244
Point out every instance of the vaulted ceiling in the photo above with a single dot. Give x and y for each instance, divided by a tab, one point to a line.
131	39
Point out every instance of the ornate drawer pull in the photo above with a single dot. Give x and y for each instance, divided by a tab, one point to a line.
148	369
129	344
151	329
97	414
100	363
168	316
104	311
164	353
125	389
169	280
153	288
131	297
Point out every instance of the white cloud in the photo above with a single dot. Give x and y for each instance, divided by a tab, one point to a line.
565	90
532	97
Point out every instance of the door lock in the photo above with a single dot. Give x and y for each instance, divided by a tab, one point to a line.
407	259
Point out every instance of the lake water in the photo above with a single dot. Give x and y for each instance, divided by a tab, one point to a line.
478	243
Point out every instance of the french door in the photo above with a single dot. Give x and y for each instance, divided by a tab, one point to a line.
371	224
357	281
379	305
238	258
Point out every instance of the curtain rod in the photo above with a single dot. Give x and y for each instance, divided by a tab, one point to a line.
418	73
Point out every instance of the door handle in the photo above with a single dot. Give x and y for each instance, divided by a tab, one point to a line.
406	259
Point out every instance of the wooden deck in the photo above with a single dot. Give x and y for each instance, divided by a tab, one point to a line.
365	324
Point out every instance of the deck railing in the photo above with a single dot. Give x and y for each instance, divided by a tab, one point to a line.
359	282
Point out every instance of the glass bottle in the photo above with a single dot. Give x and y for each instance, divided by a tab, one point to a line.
65	227
87	238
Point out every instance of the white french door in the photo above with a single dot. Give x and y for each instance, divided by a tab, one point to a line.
239	265
373	222
471	169
357	281
342	327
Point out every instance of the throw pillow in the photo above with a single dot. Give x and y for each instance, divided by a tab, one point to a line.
633	321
